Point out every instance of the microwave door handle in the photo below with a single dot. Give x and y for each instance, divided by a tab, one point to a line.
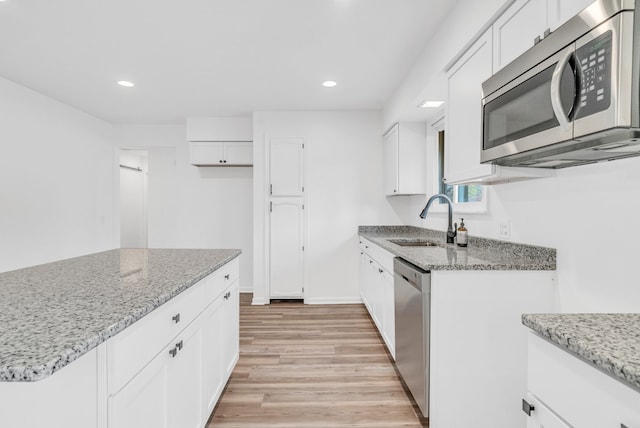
556	102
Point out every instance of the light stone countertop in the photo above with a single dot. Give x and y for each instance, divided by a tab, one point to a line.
52	314
480	254
611	342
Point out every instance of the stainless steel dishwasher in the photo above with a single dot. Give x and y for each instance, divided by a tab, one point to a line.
412	292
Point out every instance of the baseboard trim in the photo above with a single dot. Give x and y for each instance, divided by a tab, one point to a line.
259	301
332	300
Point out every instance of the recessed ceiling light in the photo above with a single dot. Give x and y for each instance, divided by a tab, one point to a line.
329	83
431	104
124	83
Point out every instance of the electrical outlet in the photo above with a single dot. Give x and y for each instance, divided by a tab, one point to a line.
504	230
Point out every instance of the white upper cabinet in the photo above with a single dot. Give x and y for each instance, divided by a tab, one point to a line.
515	30
464	114
560	11
404	164
228	153
286	166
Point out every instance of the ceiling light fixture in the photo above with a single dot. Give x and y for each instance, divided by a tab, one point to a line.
329	83
431	104
125	83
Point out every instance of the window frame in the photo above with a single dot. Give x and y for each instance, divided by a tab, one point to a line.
437	127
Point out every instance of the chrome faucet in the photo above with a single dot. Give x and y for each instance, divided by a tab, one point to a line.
451	229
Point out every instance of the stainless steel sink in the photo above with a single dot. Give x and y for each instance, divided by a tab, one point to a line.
414	243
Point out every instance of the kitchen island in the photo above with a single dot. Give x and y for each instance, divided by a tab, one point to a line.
77	334
583	369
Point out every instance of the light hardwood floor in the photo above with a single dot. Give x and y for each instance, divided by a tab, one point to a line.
312	366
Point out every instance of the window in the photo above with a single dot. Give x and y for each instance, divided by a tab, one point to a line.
472	195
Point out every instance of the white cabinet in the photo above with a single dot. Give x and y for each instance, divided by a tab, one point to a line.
166	393
560	11
404	164
578	393
286	166
515	30
464	114
231	329
218	153
541	416
286	257
377	290
213	373
180	384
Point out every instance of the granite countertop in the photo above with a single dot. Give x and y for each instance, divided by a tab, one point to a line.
52	314
611	342
480	254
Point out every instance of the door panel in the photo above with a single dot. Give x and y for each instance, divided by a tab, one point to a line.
286	248
286	167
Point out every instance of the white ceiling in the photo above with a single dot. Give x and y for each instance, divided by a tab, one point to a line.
213	57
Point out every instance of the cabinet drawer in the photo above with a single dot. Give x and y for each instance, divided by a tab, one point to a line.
130	350
580	393
219	280
377	253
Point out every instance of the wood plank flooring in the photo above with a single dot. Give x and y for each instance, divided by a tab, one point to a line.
312	366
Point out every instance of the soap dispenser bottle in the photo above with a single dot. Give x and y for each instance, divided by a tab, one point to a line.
462	234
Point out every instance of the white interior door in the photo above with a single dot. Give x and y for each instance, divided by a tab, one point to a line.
286	167
286	248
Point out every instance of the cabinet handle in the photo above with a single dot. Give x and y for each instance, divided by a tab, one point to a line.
226	276
361	253
527	408
370	261
173	352
226	296
176	318
179	345
220	161
395	191
380	270
623	426
366	246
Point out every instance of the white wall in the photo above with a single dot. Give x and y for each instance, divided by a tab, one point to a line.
58	181
343	189
189	206
587	213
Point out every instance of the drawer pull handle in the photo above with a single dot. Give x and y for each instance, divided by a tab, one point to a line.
173	352
226	276
527	408
226	295
176	318
179	345
370	261
380	270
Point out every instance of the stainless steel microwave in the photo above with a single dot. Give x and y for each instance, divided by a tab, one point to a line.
571	99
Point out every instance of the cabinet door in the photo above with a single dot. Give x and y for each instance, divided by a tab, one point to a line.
376	293
464	114
184	379
143	401
515	30
213	378
238	153
363	280
206	153
390	160
231	329
560	11
542	417
286	164
286	252
388	313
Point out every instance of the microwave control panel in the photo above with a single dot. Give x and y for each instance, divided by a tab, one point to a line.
594	63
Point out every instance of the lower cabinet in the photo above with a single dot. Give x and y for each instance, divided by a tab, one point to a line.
181	385
540	416
376	289
576	393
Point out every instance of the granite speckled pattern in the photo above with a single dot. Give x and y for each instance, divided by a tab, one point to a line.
480	254
52	314
611	342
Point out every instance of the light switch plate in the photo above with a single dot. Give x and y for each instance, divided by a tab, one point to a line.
504	230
